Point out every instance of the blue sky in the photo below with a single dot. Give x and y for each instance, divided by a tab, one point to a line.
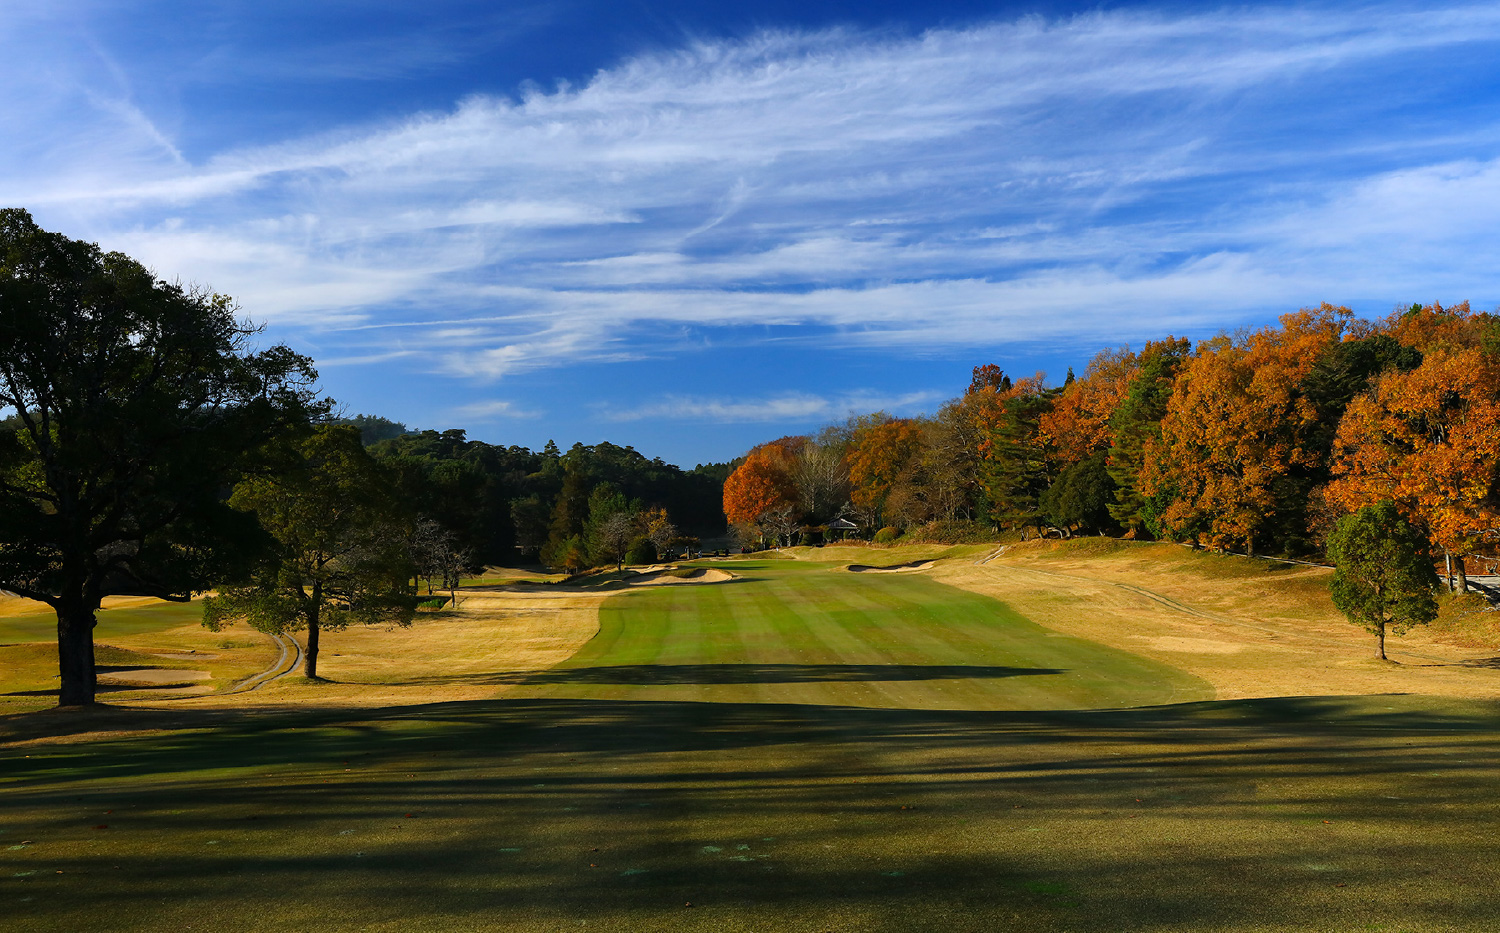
692	226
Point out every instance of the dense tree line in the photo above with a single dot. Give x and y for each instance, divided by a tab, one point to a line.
1258	441
504	503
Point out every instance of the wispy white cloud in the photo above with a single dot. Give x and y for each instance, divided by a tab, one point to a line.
326	361
1107	175
791	407
492	410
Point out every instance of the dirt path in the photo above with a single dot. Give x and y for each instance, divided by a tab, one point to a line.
286	663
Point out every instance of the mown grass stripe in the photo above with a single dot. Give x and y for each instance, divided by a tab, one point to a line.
802	633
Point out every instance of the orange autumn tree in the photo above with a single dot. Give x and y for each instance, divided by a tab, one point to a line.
1236	430
1428	440
1077	425
879	456
764	483
1434	327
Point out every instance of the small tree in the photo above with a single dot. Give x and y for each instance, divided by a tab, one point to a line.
1080	497
660	530
436	553
748	534
614	535
642	551
339	555
573	555
426	544
781	522
1384	577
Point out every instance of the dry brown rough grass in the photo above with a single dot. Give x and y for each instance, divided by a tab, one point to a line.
493	639
1251	628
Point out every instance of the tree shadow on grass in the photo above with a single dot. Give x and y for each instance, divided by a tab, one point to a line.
547	812
681	674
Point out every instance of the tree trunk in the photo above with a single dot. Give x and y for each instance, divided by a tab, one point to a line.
1463	575
310	658
75	653
1448	561
1380	642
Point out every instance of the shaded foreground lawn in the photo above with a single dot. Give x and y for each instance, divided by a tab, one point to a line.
803	749
1315	814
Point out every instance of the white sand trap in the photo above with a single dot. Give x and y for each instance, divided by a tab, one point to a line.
898	568
702	575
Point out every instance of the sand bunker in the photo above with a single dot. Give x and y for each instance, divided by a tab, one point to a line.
698	575
896	568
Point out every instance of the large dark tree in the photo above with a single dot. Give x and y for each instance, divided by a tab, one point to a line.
1016	470
130	406
1080	497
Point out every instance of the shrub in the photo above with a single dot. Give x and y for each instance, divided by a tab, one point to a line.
951	532
886	535
641	551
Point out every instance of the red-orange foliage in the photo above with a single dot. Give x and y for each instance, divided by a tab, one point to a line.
1078	424
1235	424
985	408
989	376
877	457
1429	440
762	483
1434	327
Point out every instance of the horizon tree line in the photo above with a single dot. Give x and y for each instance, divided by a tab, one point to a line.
1257	441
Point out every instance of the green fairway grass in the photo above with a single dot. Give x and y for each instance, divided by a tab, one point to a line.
786	632
802	749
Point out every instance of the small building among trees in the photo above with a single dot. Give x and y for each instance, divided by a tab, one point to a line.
839	529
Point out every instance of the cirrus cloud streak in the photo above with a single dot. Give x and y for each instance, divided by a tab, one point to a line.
1107	175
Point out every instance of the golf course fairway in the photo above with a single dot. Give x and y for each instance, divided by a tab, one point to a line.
802	749
798	632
